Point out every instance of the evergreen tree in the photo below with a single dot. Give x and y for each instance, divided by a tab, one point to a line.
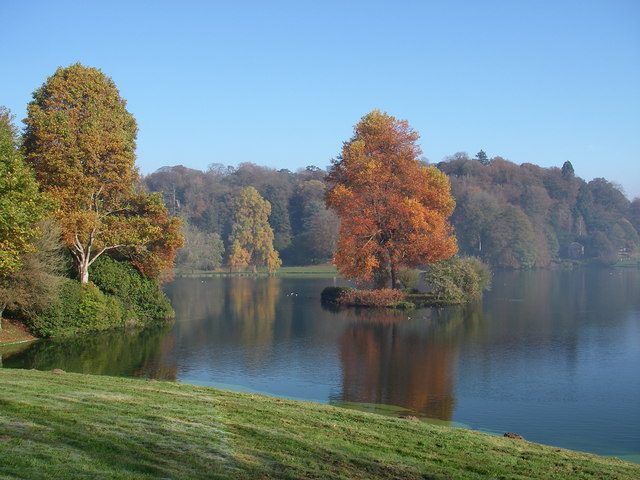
481	156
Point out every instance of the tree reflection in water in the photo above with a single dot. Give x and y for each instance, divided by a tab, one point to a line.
389	358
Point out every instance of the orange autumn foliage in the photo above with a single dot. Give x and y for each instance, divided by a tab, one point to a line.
394	210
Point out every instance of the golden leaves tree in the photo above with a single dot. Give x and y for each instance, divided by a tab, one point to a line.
251	239
394	211
80	140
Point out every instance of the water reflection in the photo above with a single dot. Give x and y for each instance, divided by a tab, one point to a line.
391	358
120	353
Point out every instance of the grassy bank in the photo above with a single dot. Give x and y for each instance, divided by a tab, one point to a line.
61	425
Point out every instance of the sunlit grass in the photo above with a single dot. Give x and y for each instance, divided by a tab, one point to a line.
76	426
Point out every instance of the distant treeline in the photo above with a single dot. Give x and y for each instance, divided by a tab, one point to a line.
512	216
524	216
305	232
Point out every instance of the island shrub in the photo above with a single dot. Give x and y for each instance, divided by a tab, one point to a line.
402	305
333	294
141	296
383	297
458	279
80	308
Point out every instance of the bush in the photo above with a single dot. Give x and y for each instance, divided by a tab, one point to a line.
80	308
371	298
141	296
402	305
333	294
409	278
458	279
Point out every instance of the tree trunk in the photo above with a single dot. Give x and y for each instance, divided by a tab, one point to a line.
83	271
2	307
394	277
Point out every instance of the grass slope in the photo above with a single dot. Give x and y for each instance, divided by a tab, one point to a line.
77	426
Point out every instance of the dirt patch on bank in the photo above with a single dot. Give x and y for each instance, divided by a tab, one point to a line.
14	331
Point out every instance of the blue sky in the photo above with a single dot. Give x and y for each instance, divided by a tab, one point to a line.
281	84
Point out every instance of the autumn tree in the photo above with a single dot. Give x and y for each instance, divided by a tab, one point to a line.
80	140
393	209
251	239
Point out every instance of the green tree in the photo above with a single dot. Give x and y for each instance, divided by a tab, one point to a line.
80	139
567	170
458	279
251	239
481	156
512	243
474	217
21	205
201	251
279	218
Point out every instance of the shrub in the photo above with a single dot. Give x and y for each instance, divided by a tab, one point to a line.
371	298
402	305
458	279
333	294
409	278
141	296
80	308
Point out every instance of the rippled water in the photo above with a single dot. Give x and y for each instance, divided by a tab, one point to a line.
552	356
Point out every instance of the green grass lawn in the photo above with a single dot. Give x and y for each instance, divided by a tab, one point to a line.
58	426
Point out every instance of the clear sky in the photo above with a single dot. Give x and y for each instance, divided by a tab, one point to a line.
281	84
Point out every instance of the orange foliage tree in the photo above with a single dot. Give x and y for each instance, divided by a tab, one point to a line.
394	211
80	140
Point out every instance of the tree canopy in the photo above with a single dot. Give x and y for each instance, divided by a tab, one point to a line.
251	237
393	209
523	216
80	140
21	205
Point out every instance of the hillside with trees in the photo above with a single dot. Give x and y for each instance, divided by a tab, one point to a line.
511	216
525	216
304	230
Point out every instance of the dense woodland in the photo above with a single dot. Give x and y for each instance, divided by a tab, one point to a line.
512	216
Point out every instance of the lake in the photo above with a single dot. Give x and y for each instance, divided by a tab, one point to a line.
552	356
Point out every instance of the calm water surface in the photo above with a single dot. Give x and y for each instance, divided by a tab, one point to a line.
553	356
